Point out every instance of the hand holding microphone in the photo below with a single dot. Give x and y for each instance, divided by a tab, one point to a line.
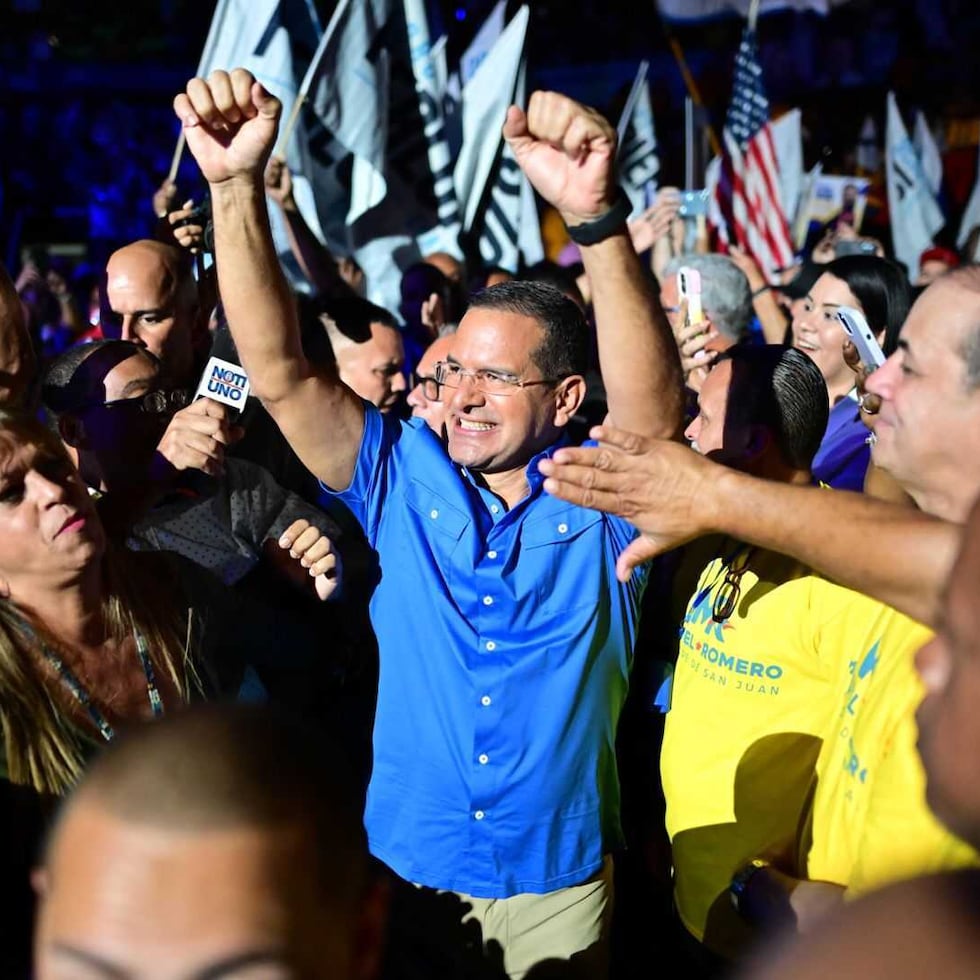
197	436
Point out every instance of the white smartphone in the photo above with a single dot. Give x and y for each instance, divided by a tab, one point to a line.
862	336
689	288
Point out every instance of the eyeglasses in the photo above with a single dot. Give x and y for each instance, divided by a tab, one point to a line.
431	388
154	402
489	382
728	595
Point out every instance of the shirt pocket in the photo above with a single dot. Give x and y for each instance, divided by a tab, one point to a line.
564	559
439	523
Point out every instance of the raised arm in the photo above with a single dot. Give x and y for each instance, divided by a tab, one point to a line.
568	152
230	122
314	258
672	494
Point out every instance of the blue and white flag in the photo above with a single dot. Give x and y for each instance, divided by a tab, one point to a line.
928	153
913	213
637	156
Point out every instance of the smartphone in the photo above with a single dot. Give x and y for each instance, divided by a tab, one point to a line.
862	336
689	288
859	246
693	204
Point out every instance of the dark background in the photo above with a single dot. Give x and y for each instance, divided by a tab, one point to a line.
87	132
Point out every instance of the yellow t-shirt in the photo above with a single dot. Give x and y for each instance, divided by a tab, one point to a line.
753	698
871	823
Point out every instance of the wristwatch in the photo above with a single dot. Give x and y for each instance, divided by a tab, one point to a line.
740	881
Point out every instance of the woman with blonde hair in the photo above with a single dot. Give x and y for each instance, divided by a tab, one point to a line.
92	637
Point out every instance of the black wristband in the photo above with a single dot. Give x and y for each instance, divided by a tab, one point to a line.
601	228
762	289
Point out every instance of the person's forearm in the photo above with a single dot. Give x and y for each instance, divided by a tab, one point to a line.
314	259
638	357
897	555
257	301
771	317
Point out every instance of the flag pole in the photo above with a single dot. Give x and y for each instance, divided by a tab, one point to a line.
308	79
692	88
753	14
175	163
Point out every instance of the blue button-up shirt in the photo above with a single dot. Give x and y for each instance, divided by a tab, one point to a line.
505	642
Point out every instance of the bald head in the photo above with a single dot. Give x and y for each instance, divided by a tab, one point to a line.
152	299
224	834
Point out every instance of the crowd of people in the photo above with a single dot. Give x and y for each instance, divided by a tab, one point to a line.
558	620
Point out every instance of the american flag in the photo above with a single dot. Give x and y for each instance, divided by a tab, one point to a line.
747	209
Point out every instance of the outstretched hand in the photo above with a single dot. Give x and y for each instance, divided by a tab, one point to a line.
659	486
567	151
230	123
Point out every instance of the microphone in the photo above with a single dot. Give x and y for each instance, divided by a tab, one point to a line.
224	379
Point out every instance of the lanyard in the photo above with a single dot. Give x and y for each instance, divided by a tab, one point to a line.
74	686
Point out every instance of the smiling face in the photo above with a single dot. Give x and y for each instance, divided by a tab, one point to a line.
49	530
818	333
928	428
497	435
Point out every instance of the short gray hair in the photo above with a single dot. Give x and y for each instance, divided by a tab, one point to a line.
968	277
725	292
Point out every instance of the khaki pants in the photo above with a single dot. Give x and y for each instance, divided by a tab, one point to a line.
569	928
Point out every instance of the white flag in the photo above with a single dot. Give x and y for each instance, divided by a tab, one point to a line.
508	223
348	91
429	70
484	39
637	153
275	40
486	98
914	215
971	215
928	153
787	141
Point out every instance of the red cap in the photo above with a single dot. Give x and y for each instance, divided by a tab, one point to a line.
939	254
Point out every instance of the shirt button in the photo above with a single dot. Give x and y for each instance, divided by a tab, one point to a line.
562	528
488	600
486	700
483	759
491	554
433	513
494	509
491	645
479	814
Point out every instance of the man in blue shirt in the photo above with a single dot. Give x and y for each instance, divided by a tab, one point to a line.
505	638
